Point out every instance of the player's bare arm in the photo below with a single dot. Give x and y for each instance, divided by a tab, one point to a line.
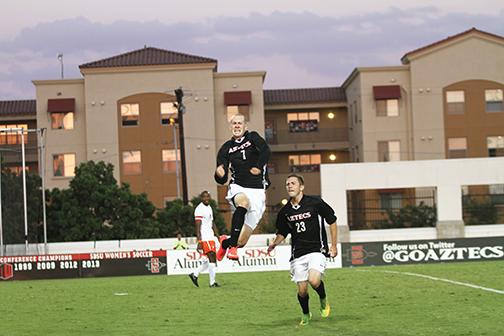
255	171
278	239
220	171
333	249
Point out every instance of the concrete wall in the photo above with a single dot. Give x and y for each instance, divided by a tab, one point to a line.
448	176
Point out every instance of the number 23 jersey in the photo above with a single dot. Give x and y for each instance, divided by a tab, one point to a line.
305	223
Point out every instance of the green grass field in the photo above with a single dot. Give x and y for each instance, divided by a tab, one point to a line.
365	301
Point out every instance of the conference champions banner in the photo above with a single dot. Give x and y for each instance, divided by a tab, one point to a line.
422	251
251	259
79	265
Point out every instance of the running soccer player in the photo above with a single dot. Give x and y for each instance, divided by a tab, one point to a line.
205	229
303	217
246	155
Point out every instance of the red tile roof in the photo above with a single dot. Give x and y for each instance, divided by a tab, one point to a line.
18	107
304	96
147	56
405	60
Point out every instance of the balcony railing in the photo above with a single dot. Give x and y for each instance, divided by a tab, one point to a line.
321	135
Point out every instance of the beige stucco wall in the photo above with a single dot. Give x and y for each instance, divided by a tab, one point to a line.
472	57
197	83
61	141
243	81
353	95
376	128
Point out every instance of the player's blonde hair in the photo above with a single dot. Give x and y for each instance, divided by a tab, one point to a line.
237	115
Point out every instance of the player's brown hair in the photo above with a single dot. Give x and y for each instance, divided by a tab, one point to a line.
299	178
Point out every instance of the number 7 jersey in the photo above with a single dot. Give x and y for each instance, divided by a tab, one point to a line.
305	223
240	155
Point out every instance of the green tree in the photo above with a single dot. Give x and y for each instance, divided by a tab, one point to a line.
412	216
94	207
13	208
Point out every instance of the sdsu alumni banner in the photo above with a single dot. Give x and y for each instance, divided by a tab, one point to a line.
59	266
251	259
422	251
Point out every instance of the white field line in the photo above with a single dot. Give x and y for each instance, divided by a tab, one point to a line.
441	279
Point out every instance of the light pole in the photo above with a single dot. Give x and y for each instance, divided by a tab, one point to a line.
60	58
179	94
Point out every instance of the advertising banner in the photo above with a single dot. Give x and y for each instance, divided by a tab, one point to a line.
251	259
60	266
422	251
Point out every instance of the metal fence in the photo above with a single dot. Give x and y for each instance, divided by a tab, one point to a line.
398	208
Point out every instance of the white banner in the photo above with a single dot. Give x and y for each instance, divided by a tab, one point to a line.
251	259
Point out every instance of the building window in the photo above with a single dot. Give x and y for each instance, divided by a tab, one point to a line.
62	120
272	168
132	162
64	165
18	170
457	148
387	108
356	112
14	137
391	201
170	160
303	121
389	151
455	102
493	99
496	193
495	145
130	114
304	163
168	111
235	109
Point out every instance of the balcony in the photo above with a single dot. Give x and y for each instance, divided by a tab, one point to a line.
322	139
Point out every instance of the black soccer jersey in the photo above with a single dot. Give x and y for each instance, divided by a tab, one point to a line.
305	223
242	154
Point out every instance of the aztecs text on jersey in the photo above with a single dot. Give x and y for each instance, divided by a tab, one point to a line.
305	223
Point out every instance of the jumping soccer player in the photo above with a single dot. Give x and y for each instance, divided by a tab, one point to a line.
246	154
205	229
300	218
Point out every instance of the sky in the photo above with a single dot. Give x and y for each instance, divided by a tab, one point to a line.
299	44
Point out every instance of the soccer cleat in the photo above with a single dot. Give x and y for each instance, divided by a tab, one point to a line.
194	279
215	285
325	308
305	319
233	253
222	251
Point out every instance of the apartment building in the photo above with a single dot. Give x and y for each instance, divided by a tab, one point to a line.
18	114
304	128
123	112
444	101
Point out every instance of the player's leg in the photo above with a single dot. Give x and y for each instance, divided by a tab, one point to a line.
257	205
212	264
202	268
241	203
316	266
299	273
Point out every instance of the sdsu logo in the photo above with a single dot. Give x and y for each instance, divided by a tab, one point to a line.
154	265
6	271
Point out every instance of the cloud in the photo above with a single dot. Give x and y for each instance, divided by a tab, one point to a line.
300	49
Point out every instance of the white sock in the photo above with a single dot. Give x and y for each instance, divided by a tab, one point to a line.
202	268
211	272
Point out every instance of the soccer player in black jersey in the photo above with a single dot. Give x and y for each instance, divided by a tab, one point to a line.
245	155
303	217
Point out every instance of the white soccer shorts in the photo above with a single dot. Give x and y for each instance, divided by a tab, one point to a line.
257	203
300	267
